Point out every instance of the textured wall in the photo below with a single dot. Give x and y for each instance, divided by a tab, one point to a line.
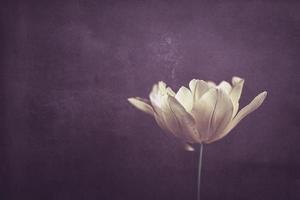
67	68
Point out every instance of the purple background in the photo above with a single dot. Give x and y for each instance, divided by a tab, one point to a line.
67	68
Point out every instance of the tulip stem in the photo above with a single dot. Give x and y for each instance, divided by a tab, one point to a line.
199	170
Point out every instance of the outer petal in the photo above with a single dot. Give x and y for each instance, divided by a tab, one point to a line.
165	117
200	88
157	104
170	91
162	86
203	111
161	122
235	80
252	106
225	86
187	130
211	84
156	96
221	115
192	85
185	98
235	93
141	104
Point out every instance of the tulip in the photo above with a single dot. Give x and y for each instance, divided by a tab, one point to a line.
203	114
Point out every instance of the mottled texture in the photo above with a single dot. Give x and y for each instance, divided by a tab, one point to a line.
67	130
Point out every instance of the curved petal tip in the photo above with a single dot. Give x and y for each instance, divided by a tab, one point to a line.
236	79
131	100
141	104
262	96
264	93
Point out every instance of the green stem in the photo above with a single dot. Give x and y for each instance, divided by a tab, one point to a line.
199	171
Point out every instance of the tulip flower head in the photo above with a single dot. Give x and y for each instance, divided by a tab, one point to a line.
203	113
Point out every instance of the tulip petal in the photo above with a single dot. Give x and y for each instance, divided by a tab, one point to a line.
160	121
225	86
203	111
221	115
185	98
165	117
163	113
235	80
156	96
160	106
170	91
235	93
211	84
192	85
187	130
200	88
141	104
162	86
252	106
